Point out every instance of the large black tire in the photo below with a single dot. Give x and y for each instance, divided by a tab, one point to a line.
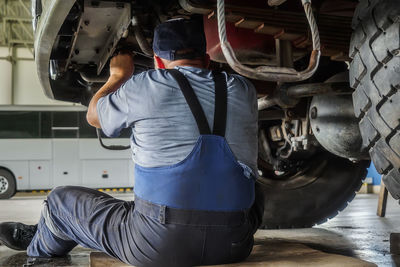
7	184
313	196
375	76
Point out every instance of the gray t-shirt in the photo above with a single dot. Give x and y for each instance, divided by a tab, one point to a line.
164	131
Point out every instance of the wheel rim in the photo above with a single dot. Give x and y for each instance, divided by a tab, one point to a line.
3	184
300	179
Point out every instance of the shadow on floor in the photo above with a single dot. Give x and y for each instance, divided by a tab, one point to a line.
21	259
317	238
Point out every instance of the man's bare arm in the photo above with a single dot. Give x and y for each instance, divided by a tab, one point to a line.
121	69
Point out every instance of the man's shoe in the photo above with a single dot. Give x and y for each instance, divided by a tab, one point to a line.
17	236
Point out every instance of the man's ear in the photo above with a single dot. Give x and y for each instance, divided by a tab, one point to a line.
159	62
207	61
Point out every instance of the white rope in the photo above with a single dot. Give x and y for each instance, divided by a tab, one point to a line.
266	72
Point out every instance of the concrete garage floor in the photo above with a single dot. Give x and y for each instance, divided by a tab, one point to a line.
356	232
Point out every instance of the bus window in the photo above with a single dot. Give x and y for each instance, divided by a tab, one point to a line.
64	125
21	124
85	130
45	124
125	133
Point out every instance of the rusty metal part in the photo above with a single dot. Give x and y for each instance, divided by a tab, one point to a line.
270	115
276	2
284	53
140	38
276	133
311	89
268	73
101	26
334	28
335	126
73	44
266	102
278	98
288	96
118	30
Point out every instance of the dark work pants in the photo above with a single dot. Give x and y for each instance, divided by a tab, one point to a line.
141	235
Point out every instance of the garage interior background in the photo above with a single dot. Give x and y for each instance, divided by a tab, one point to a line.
19	83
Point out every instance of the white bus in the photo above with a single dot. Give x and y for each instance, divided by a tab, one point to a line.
44	147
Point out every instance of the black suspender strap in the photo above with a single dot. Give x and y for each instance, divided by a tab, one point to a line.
192	101
220	109
220	104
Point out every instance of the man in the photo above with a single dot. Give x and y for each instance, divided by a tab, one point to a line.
194	143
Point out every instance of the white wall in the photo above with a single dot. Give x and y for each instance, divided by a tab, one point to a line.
5	78
19	83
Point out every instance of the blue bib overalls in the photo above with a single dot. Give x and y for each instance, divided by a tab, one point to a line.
191	213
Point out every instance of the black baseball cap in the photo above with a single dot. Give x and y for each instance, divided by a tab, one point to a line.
180	39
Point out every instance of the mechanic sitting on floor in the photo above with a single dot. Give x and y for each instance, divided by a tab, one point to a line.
194	144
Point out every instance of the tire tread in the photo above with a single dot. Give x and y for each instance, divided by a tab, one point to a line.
375	76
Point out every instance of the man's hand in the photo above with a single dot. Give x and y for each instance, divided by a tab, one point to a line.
122	67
